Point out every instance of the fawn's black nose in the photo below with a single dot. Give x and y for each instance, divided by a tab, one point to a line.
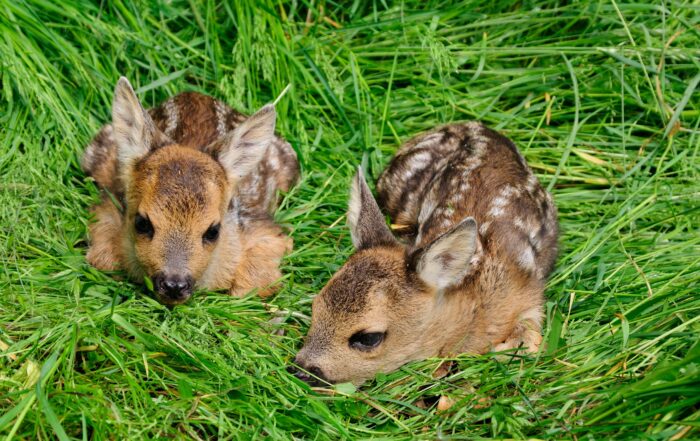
311	375
173	288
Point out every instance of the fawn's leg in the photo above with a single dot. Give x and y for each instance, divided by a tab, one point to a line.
526	334
263	248
105	252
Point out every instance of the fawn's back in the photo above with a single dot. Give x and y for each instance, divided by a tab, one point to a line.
441	177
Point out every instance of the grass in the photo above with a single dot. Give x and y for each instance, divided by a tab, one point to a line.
601	97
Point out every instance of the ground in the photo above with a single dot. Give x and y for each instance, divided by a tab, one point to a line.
600	96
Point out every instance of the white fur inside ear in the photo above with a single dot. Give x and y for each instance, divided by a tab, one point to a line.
446	261
133	128
246	145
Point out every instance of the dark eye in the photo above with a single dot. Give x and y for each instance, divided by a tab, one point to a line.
212	234
143	225
366	341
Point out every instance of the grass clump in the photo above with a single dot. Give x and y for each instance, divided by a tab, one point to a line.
601	97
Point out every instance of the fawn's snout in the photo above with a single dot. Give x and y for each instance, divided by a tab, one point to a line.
173	289
310	374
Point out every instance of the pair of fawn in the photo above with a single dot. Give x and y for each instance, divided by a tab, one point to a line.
188	193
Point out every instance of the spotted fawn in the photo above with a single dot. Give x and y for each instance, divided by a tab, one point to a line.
188	193
479	240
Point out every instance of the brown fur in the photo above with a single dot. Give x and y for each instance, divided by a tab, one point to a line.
187	165
105	252
470	277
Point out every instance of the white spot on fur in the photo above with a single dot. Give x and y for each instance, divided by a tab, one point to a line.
90	153
426	209
428	141
484	227
273	160
407	175
531	182
419	160
480	142
172	116
474	127
270	194
533	233
497	207
509	191
221	113
496	212
527	259
518	222
500	202
551	210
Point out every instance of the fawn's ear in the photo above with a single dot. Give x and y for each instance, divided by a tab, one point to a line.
242	148
135	132
445	262
367	225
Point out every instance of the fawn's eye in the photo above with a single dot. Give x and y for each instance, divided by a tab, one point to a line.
366	341
212	234
143	225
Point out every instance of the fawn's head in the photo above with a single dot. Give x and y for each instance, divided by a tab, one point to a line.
177	197
374	313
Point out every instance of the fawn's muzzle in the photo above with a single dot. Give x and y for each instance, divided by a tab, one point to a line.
173	289
311	375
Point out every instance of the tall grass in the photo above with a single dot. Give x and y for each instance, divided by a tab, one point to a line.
601	97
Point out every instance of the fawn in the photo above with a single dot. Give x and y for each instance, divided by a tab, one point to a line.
188	192
480	241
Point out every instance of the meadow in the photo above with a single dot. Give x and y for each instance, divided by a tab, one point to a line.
600	96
